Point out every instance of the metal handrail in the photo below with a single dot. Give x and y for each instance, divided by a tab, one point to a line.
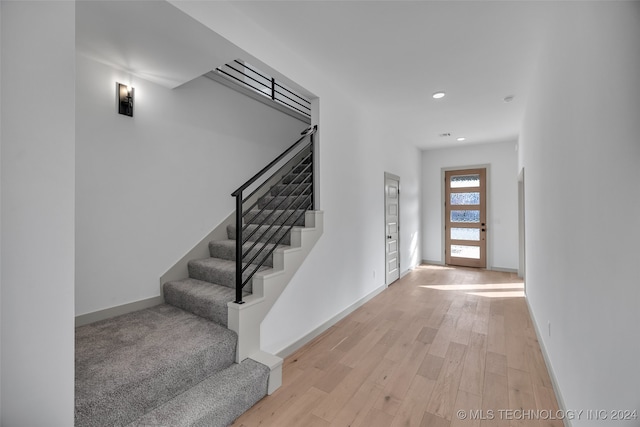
265	85
297	204
308	132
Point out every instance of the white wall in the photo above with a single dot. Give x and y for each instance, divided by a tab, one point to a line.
0	211
38	144
581	153
502	197
152	186
356	148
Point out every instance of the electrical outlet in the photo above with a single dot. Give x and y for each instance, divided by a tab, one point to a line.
374	274
549	327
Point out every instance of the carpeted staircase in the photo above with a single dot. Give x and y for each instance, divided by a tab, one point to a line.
174	364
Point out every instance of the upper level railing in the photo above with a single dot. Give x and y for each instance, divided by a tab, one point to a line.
261	223
250	77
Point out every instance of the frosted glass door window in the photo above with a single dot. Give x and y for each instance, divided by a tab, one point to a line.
465	216
465	233
465	198
462	251
462	181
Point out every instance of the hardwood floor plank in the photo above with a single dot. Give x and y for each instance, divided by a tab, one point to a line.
445	391
496	363
496	342
341	394
332	377
411	411
375	418
467	410
413	356
481	320
472	380
358	407
546	400
495	398
431	420
401	378
293	415
431	366
521	397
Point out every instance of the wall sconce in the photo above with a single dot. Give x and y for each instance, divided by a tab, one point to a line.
125	99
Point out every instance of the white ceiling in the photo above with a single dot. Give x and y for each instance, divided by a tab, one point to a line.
150	39
391	55
394	54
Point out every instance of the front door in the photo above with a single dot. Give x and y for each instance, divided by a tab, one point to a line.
391	219
465	218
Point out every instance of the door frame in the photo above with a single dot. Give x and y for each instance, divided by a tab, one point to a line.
522	256
489	233
384	186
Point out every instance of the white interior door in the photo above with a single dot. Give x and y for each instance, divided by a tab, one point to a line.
392	227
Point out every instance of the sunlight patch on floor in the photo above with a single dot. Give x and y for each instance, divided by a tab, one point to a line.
487	290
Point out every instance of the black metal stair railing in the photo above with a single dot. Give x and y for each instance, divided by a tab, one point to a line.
292	174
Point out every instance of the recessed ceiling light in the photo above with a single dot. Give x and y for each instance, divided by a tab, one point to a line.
462	138
438	95
508	98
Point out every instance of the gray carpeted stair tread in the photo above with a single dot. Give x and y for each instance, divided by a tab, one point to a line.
203	299
282	202
226	249
215	402
289	190
127	365
263	234
219	271
288	217
297	178
303	167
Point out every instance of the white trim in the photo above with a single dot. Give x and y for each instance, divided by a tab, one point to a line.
291	348
85	319
407	271
554	381
432	262
504	270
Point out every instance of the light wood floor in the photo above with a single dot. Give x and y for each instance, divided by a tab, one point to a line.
439	341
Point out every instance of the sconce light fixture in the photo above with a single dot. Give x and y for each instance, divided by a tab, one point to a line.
125	99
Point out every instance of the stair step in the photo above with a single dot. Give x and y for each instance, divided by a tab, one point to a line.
219	271
216	401
287	190
297	178
283	202
288	217
226	249
203	299
301	168
130	364
262	235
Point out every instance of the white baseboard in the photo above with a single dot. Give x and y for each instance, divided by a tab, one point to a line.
290	349
504	270
554	381
428	261
85	319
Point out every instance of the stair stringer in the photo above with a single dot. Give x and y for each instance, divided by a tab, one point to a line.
245	319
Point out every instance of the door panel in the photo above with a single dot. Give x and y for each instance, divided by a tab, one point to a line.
391	209
465	218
